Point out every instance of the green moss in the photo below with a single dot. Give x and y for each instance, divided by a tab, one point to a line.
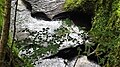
72	4
81	5
105	29
1	15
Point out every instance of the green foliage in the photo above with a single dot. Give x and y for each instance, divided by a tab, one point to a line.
72	4
43	37
106	32
84	5
67	22
1	14
28	62
36	42
106	27
33	45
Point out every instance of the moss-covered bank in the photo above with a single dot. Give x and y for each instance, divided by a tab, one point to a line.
105	27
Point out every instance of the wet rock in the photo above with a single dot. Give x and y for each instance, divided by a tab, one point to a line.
27	24
79	18
84	62
59	62
50	7
40	15
68	53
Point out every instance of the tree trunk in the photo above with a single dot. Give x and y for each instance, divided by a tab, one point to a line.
5	31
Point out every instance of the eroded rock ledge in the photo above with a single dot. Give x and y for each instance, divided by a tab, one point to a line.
50	7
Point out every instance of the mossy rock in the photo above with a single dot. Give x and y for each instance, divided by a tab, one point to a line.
105	27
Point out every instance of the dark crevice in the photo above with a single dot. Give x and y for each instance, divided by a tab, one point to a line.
37	15
68	53
40	16
79	17
71	52
27	5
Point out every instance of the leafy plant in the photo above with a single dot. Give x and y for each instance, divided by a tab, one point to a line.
41	43
105	29
72	4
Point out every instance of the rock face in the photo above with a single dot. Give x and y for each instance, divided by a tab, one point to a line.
27	24
79	18
49	7
83	62
59	62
